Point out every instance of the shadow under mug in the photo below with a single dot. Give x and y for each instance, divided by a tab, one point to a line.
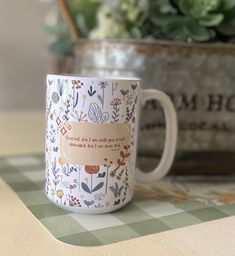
91	141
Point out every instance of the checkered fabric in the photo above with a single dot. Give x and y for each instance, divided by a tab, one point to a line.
168	204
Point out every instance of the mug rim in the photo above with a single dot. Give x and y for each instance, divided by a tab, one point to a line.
109	78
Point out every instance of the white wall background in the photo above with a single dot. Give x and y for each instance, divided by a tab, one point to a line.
23	54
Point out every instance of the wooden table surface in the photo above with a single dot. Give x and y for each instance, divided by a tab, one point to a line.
22	234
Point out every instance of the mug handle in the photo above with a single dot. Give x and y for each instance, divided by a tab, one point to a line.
171	137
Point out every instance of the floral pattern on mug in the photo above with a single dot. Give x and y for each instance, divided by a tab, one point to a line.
84	186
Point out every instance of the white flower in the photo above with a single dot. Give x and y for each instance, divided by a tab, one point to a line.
108	27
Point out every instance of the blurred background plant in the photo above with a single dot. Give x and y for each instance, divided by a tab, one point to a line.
179	20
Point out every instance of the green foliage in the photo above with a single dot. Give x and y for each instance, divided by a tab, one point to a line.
227	4
85	12
181	20
196	20
227	27
198	8
61	42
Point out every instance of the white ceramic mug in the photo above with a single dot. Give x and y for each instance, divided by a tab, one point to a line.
91	141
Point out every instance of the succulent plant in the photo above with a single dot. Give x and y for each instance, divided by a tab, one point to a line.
199	8
199	21
182	20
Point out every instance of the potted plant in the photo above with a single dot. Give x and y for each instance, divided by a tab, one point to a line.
183	47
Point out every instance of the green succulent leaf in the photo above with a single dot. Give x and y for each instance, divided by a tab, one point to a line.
211	20
185	6
198	8
165	19
227	4
164	6
174	31
199	33
184	29
227	27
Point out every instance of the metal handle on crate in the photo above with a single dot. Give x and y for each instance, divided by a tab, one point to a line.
68	19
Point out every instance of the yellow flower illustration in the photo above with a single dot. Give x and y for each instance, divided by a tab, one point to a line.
60	193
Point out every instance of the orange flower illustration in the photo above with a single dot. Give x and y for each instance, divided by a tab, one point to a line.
140	190
92	169
154	194
180	196
227	198
61	161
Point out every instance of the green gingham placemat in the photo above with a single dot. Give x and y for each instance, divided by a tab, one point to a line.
165	205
